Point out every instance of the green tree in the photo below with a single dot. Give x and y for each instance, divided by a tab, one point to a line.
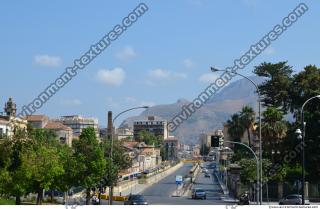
275	90
150	139
90	160
305	85
13	179
119	161
274	130
42	164
247	118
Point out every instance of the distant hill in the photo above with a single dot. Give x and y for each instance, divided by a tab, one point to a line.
212	115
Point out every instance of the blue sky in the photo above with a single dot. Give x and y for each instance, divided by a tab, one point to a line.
164	56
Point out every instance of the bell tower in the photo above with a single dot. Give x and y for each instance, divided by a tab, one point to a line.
10	108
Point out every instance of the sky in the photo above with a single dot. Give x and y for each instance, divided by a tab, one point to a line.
164	56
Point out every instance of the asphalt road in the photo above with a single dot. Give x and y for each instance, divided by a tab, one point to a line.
160	193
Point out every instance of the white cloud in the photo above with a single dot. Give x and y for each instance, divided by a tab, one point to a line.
70	102
126	54
114	77
208	78
188	63
47	61
269	51
162	74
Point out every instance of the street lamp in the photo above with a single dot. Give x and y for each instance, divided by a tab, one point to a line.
260	137
111	149
303	133
254	154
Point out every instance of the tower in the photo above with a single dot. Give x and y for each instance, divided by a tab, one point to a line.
109	125
10	108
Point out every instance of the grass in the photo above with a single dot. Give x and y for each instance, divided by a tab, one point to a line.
7	202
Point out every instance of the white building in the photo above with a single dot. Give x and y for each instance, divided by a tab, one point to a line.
153	125
77	123
5	129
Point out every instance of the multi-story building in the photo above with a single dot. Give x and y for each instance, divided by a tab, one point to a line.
205	138
77	123
153	125
124	133
63	133
171	147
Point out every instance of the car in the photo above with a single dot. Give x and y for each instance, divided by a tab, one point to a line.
205	170
293	199
136	199
207	175
95	200
199	193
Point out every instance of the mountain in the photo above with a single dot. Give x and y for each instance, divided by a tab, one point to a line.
212	115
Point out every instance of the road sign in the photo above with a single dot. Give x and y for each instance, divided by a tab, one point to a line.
179	179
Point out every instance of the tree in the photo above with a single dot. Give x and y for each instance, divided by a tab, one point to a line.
247	118
119	161
274	130
235	127
150	138
90	160
275	90
305	85
13	179
42	165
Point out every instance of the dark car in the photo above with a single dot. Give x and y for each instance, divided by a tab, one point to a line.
207	175
199	194
136	200
293	199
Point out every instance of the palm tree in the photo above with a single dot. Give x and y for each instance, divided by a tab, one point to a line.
247	117
273	125
274	128
235	127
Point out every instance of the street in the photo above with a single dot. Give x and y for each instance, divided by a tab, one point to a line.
160	193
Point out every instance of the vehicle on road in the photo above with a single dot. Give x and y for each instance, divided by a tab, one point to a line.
95	200
136	199
207	175
198	193
293	199
244	199
205	170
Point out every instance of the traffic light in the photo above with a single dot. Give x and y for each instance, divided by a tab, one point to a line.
215	141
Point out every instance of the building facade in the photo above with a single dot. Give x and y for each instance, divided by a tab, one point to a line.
63	133
77	123
152	125
171	147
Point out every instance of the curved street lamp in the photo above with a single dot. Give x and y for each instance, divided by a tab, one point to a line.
111	149
302	136
254	154
260	137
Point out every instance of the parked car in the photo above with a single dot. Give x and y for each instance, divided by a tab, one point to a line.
293	199
199	193
207	175
136	199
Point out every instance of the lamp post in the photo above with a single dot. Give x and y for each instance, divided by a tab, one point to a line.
111	149
254	154
259	112
303	133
